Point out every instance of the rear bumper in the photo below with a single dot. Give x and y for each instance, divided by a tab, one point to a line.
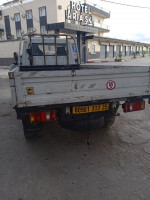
21	112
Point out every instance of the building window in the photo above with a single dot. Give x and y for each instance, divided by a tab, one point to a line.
92	49
17	17
29	14
18	34
30	30
42	11
43	30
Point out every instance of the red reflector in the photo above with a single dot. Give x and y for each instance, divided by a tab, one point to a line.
37	116
53	115
133	106
43	116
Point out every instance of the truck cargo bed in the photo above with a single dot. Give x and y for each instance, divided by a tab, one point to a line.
90	83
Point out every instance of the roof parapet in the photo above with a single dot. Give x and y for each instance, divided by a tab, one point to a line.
97	6
14	3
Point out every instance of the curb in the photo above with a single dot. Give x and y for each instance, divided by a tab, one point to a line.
4	67
97	61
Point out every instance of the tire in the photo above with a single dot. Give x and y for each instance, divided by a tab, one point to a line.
109	120
31	130
80	125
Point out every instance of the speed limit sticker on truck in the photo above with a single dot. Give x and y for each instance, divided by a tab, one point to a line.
111	85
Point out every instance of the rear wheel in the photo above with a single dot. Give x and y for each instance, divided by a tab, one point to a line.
110	117
83	124
31	130
109	120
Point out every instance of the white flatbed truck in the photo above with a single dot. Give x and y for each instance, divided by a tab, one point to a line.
48	83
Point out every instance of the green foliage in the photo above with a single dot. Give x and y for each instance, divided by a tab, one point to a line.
120	56
143	53
134	54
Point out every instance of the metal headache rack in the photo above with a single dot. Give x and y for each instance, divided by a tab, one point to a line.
58	51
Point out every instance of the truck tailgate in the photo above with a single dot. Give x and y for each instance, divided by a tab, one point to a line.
38	88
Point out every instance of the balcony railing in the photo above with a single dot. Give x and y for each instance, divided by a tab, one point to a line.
97	6
103	26
14	3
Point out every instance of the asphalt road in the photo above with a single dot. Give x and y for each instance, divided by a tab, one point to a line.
61	166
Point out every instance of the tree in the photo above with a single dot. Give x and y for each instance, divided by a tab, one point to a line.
120	56
134	54
143	53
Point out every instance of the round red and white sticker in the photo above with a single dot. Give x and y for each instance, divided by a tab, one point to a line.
111	85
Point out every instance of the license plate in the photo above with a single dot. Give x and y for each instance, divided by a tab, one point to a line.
89	109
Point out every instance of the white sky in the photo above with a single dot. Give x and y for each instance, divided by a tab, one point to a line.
2	1
126	22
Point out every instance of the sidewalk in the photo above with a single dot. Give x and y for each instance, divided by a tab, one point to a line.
127	58
4	73
4	67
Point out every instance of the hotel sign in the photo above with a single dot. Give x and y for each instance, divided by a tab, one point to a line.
79	12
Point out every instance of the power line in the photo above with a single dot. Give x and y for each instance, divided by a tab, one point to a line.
122	4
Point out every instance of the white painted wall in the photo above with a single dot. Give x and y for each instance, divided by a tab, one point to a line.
7	48
61	12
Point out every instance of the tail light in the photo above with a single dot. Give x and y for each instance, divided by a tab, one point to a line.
133	106
43	116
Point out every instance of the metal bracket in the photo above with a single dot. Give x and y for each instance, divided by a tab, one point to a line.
73	73
115	114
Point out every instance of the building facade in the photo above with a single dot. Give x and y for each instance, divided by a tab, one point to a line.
25	16
104	47
84	20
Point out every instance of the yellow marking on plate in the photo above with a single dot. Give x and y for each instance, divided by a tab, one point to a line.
89	109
